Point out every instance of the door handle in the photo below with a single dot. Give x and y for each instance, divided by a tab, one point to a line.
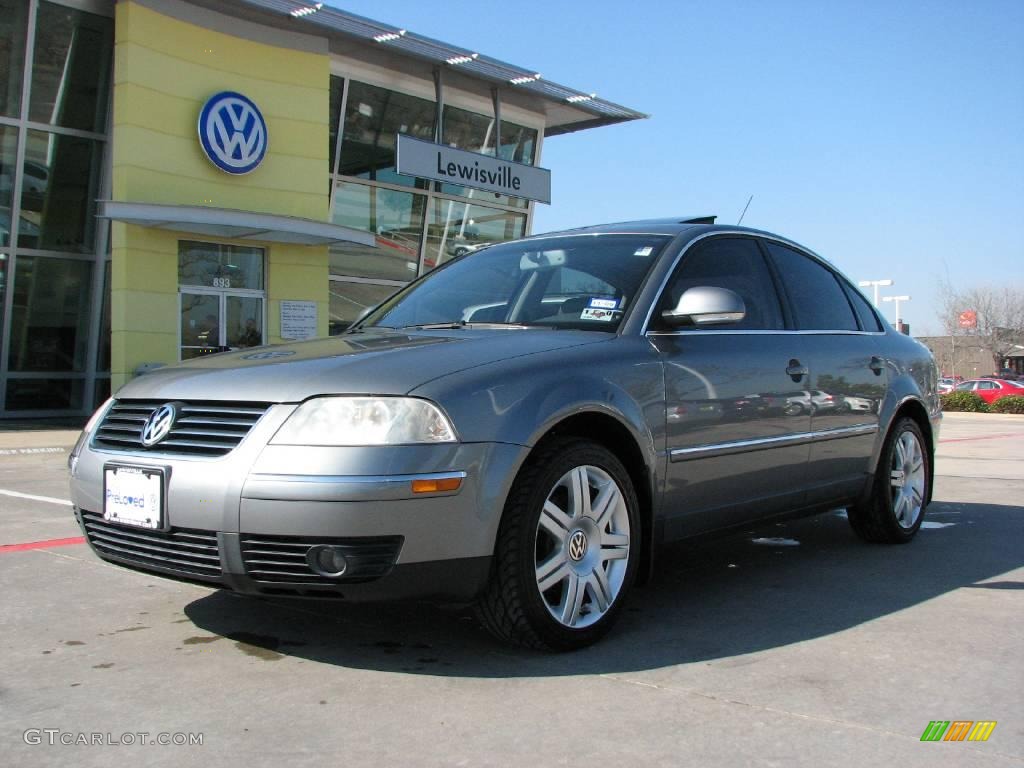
876	365
796	370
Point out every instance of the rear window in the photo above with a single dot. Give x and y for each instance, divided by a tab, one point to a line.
868	319
819	303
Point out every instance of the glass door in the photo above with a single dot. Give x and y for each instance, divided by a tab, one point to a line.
216	321
222	297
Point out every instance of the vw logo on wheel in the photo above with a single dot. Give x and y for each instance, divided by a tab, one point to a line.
159	424
233	132
577	545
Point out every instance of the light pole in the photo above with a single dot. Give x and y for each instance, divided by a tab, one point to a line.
875	284
897	299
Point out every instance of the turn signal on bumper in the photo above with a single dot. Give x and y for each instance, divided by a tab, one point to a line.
435	486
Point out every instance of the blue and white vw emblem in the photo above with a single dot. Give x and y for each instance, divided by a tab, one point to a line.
233	132
159	424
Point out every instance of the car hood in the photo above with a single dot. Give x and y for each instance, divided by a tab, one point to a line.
376	361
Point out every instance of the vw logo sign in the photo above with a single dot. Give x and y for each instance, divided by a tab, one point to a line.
577	545
267	355
233	132
159	424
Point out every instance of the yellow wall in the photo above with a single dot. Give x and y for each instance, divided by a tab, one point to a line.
164	71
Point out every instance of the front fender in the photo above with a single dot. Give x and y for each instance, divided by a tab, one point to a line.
521	400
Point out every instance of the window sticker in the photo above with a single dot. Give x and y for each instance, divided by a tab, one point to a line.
604	303
645	251
593	313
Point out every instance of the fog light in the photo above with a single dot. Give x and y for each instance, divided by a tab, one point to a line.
327	560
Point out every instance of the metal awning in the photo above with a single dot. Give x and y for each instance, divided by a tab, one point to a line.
568	109
229	223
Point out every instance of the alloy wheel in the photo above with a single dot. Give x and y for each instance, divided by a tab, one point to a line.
582	546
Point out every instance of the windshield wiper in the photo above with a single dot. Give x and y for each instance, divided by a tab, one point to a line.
463	324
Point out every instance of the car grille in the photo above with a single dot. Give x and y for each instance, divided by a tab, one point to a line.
181	550
282	559
203	428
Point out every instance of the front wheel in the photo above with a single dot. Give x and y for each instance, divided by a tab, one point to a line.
895	510
567	549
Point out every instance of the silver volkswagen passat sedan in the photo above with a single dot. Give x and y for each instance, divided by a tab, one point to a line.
522	428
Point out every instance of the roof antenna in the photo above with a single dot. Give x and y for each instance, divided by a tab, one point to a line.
744	210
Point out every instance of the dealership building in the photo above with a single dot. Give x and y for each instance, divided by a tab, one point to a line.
181	177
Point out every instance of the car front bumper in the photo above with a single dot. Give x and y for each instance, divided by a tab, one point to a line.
248	520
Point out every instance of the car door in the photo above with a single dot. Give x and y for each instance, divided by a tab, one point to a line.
987	390
841	335
736	442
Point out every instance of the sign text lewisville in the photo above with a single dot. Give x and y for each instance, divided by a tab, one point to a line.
470	169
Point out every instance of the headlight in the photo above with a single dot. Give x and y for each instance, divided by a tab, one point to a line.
365	421
84	437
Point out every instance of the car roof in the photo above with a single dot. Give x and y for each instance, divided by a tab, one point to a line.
675	225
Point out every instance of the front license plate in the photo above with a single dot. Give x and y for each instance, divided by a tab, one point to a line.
133	496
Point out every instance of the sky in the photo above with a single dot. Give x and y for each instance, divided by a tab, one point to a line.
886	136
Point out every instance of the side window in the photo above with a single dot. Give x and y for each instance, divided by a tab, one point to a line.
819	303
868	319
986	385
737	264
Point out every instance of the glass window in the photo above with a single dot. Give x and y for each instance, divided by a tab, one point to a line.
101	392
818	301
50	321
474	132
350	300
5	261
584	283
103	358
58	192
868	319
45	394
71	68
220	266
13	18
468	130
8	159
457	228
734	263
372	118
337	91
518	143
396	218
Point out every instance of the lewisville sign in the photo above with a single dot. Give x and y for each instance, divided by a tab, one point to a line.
471	169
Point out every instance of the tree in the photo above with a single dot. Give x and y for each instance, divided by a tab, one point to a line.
1000	316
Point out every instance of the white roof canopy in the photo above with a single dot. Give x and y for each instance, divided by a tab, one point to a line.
229	223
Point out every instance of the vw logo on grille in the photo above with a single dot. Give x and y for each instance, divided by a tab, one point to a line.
577	545
159	424
233	132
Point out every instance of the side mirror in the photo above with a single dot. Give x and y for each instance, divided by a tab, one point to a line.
705	305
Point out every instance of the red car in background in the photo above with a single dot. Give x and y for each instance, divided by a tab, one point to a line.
991	390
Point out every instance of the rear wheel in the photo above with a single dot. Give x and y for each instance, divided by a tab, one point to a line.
567	549
895	510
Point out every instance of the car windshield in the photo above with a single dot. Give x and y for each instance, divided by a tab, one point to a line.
576	281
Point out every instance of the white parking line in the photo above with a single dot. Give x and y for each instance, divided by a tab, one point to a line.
50	499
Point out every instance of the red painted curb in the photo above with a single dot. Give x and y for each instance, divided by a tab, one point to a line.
42	544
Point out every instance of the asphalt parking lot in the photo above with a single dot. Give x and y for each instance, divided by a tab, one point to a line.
793	644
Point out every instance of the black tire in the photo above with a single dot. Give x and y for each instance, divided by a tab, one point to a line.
876	520
513	608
